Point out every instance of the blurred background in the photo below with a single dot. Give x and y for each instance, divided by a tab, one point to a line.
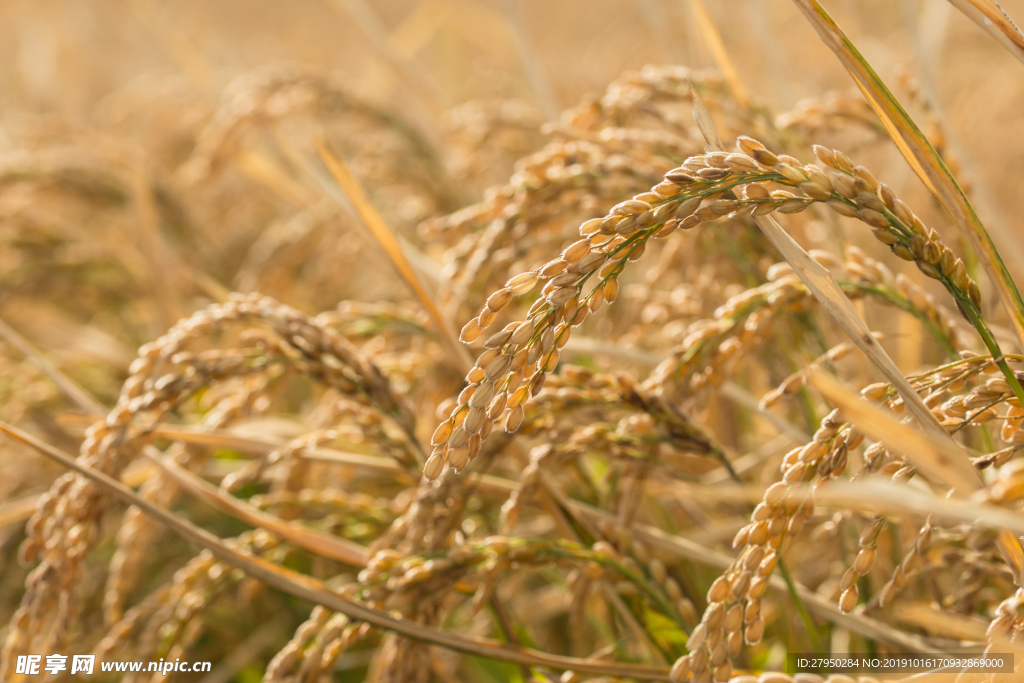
73	61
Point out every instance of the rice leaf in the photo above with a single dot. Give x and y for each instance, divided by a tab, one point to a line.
941	460
70	387
880	497
719	53
704	123
17	510
939	622
317	542
265	444
993	19
386	238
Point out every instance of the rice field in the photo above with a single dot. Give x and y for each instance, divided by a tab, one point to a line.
427	341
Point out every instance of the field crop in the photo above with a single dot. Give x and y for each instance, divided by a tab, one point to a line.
445	340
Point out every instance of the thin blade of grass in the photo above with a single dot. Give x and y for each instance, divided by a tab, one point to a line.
227	439
311	590
829	294
261	445
532	66
70	387
260	167
993	19
867	495
704	123
885	497
941	459
17	510
942	623
719	53
425	266
319	543
387	240
922	157
801	608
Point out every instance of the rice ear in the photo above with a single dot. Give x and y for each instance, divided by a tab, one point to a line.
942	459
922	157
828	293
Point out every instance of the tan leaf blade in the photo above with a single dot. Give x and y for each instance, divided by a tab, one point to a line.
992	18
719	52
832	298
870	495
939	622
386	238
227	439
704	123
17	510
939	459
317	542
886	497
922	157
260	444
72	389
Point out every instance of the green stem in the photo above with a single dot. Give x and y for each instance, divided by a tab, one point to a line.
508	633
801	608
898	301
993	349
639	581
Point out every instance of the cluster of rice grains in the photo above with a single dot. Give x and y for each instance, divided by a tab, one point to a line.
557	486
585	276
518	358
